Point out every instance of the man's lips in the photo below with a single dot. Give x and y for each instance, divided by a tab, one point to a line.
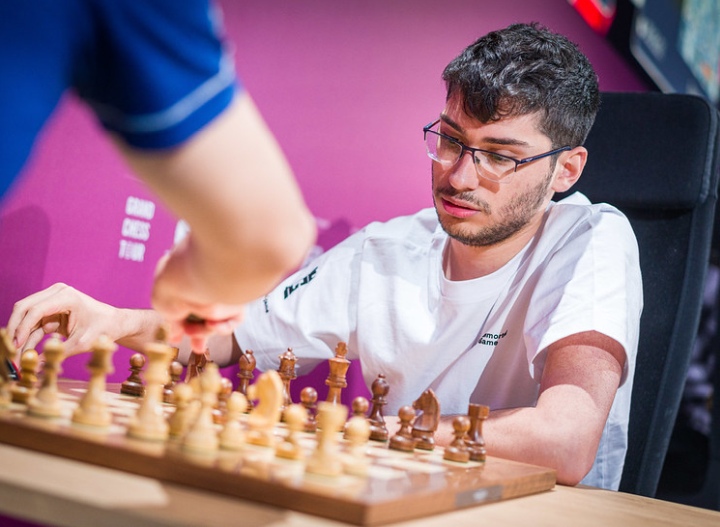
457	209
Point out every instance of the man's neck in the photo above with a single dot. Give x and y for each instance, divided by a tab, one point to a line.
465	262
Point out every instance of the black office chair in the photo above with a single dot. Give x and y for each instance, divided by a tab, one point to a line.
655	157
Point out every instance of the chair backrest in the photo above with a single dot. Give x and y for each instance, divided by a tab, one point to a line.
655	157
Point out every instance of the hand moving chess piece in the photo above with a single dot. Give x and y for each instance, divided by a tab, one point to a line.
92	409
337	379
46	402
26	387
475	441
458	450
427	422
379	389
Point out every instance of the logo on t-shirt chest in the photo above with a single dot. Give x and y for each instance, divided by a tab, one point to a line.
491	339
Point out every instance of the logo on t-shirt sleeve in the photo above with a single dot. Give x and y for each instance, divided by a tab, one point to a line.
290	289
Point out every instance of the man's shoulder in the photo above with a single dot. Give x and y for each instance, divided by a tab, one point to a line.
421	225
577	210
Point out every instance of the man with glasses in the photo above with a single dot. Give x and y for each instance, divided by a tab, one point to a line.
498	295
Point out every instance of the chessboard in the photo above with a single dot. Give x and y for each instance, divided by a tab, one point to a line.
330	471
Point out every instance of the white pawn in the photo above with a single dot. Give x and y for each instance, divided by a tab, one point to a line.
203	435
326	460
232	436
185	409
357	432
92	410
295	416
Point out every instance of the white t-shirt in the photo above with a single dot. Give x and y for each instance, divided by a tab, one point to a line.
383	292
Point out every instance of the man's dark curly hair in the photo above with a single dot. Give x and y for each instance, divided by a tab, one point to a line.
523	69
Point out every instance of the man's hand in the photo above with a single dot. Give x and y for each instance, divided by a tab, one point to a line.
181	310
64	310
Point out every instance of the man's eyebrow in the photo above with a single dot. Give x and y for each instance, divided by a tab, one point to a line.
504	141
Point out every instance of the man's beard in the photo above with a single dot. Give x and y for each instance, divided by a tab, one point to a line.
513	216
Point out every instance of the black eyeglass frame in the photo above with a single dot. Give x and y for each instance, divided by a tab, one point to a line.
465	148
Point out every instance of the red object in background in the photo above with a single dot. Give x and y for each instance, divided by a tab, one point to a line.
599	14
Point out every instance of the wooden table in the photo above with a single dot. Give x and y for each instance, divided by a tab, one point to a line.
50	490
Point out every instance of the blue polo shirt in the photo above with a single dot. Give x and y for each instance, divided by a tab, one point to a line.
153	71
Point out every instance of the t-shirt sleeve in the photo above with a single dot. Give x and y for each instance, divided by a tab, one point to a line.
592	283
310	311
159	70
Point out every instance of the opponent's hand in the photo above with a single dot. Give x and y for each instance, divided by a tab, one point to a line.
176	301
64	310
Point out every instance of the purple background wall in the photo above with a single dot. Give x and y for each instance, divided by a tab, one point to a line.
345	86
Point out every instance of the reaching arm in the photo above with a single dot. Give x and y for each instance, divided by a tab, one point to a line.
582	373
82	320
249	224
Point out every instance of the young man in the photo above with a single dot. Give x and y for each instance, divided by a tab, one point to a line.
498	296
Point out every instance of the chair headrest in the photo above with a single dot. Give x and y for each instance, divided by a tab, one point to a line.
650	150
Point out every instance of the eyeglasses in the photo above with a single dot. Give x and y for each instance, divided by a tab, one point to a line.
447	151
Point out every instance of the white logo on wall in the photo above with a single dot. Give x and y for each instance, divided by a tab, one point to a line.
136	228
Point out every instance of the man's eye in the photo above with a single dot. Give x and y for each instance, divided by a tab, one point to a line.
497	159
449	143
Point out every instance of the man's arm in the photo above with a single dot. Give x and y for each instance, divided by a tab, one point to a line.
249	224
82	320
582	373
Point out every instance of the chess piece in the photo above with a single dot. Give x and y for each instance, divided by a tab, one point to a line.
185	410
246	366
287	374
149	422
326	459
268	392
26	386
308	398
357	433
219	413
427	421
379	389
232	436
289	448
403	439
133	385
175	372
7	353
46	402
457	450
196	365
337	379
359	408
202	435
475	441
92	409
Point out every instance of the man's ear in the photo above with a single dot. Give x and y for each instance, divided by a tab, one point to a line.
570	166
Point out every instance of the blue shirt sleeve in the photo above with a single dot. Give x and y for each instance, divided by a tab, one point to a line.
158	71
